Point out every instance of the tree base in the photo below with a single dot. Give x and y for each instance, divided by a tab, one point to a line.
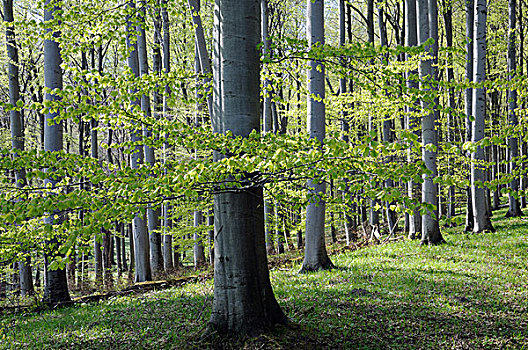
514	213
252	327
328	265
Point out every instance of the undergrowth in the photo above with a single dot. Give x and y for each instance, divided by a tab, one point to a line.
469	293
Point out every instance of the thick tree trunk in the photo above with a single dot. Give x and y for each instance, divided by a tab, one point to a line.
514	209
140	229
56	287
243	299
315	255
482	220
430	228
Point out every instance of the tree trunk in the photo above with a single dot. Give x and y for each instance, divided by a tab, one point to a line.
514	209
450	75
470	15
430	228
482	221
411	39
17	129
140	231
168	260
267	120
243	299
153	214
56	287
315	255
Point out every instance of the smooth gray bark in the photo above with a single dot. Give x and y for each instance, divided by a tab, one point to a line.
388	122
139	226
17	128
153	214
450	75
411	39
267	118
514	209
98	254
198	247
168	260
470	15
315	255
430	228
243	298
205	61
345	127
482	220
56	286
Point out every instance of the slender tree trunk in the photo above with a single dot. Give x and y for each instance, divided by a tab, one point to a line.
56	287
514	209
198	247
411	39
17	129
153	214
482	221
344	14
205	62
388	122
315	255
140	229
430	228
167	237
450	75
243	299
470	15
267	119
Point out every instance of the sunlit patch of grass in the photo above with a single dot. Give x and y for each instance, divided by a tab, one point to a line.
471	292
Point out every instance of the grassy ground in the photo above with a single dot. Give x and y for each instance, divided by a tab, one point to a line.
470	293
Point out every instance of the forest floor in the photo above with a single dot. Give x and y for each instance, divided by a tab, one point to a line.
469	293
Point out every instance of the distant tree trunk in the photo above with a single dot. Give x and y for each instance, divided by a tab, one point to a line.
345	127
153	214
514	209
98	255
411	39
168	261
450	75
205	62
198	247
430	228
243	298
118	245
17	129
56	287
210	222
315	255
388	122
523	183
267	119
140	230
470	16
482	221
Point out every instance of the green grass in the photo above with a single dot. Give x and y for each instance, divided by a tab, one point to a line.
470	293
